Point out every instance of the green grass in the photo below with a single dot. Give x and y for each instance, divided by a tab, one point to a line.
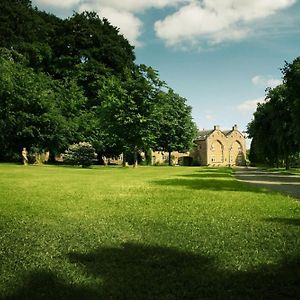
145	233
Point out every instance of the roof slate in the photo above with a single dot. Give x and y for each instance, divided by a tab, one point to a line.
203	134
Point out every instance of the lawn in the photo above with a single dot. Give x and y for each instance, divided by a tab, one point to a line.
145	233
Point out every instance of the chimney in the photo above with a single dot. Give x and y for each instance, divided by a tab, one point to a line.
216	127
234	127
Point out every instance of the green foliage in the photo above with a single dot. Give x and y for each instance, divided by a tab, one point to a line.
175	126
36	111
291	73
275	129
85	38
75	79
82	154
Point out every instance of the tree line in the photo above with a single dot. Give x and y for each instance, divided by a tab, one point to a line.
64	81
275	129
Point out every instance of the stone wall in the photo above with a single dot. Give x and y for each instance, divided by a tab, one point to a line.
221	148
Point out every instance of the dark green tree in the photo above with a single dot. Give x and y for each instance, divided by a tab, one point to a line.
35	110
127	114
175	127
291	73
272	130
65	81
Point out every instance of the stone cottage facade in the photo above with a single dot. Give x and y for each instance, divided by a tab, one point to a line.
221	147
161	157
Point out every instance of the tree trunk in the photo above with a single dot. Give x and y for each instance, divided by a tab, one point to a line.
170	158
287	162
277	162
124	160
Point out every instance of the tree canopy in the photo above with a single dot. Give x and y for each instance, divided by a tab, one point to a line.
275	127
68	81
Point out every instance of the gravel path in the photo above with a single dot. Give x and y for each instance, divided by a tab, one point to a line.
288	184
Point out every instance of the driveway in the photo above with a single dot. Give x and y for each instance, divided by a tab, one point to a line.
288	184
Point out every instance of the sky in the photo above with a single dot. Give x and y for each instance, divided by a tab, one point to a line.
220	55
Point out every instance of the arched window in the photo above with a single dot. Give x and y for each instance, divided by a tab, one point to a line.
217	149
236	154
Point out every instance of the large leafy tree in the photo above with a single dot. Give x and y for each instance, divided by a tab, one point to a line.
271	128
276	126
139	114
83	47
176	129
127	112
35	110
86	37
65	81
29	32
56	46
291	73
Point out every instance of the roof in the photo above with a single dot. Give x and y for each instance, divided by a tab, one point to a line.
203	134
227	132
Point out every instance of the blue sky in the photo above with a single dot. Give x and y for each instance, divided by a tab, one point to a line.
220	55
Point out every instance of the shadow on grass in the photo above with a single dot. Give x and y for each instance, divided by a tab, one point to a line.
225	171
201	183
287	221
207	175
135	271
209	179
43	284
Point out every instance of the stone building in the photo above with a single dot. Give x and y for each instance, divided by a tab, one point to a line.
157	158
221	147
162	157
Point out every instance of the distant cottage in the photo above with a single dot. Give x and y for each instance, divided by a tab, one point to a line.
221	148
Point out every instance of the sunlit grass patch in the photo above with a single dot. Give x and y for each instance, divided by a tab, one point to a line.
145	233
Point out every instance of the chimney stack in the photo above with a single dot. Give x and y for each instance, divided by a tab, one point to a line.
234	127
216	127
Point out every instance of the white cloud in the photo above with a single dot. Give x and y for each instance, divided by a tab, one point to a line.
215	20
122	13
119	13
264	81
132	5
130	26
249	106
212	21
58	3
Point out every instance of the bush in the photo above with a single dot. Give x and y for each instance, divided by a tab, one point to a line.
82	154
185	161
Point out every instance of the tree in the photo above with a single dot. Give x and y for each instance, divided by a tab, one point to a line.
138	114
28	31
35	110
271	129
291	76
64	81
176	129
86	37
56	46
127	114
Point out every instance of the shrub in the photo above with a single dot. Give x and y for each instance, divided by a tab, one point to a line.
82	154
